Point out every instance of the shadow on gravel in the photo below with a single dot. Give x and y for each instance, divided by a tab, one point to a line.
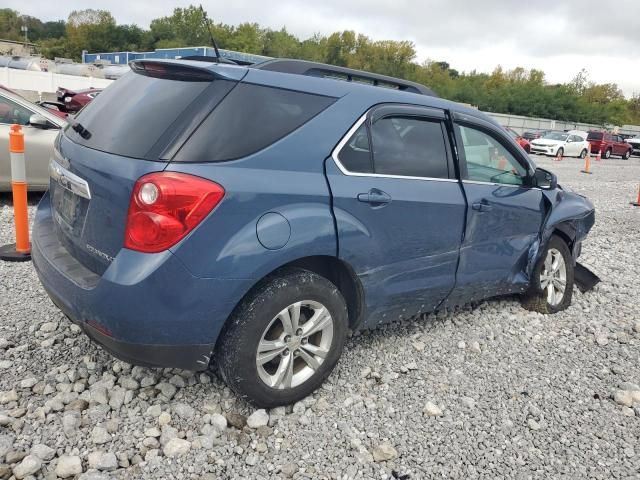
33	198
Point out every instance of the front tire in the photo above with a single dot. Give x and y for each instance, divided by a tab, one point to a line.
560	152
551	287
607	153
284	339
583	153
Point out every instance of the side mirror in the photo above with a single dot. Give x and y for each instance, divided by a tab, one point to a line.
38	121
545	179
569	140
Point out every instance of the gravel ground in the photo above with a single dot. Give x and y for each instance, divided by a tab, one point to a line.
484	391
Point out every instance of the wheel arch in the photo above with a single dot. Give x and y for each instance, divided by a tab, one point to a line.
337	271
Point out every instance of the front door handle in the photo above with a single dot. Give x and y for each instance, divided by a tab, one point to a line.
481	206
374	197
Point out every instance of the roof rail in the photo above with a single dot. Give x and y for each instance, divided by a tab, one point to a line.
314	69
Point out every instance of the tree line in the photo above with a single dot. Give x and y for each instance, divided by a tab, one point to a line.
519	91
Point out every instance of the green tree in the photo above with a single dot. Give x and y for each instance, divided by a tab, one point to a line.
281	44
91	30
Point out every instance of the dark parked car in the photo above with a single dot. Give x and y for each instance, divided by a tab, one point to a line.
532	135
520	140
73	101
256	214
608	144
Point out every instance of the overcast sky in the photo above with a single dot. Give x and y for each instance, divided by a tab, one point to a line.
557	36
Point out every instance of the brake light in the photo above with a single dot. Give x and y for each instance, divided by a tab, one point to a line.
165	207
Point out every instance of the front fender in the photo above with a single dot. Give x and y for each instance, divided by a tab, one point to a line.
568	213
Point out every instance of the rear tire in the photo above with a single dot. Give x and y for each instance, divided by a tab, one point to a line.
626	155
544	279
264	354
607	153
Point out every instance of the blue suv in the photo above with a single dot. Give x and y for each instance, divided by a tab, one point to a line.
202	214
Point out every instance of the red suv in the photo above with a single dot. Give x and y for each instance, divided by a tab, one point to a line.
523	142
609	144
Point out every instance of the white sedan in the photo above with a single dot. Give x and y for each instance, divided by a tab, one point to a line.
566	144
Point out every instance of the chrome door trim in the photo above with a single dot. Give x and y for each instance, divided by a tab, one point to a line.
341	167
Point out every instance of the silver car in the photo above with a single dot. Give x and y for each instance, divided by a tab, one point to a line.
40	128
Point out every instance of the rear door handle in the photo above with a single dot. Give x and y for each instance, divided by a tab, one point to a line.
481	207
374	197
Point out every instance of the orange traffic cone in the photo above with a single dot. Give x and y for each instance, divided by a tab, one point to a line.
21	250
598	157
502	163
587	165
637	202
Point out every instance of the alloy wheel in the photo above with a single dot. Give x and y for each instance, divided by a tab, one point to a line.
553	277
294	344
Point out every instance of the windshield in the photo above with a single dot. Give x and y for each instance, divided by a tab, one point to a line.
556	136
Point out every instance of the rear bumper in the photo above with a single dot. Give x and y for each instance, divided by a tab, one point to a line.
188	357
146	309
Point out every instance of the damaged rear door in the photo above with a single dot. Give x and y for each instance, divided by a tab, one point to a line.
504	215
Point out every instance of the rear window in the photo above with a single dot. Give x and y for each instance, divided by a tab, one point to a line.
130	116
249	119
594	136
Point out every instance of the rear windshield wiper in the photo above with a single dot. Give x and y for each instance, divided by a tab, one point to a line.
82	131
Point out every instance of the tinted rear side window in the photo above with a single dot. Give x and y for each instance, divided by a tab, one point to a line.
249	119
409	147
133	113
594	136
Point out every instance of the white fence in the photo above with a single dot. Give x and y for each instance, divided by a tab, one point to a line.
521	124
46	82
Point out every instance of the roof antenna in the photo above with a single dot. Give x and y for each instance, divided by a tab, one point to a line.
213	42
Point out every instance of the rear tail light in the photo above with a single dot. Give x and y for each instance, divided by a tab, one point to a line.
165	207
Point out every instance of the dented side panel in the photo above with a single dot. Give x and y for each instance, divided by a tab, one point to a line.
568	213
498	238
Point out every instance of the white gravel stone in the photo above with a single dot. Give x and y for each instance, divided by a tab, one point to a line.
152	432
164	419
176	447
103	461
100	436
184	411
623	397
219	421
43	452
431	409
259	418
68	466
384	452
28	466
28	382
